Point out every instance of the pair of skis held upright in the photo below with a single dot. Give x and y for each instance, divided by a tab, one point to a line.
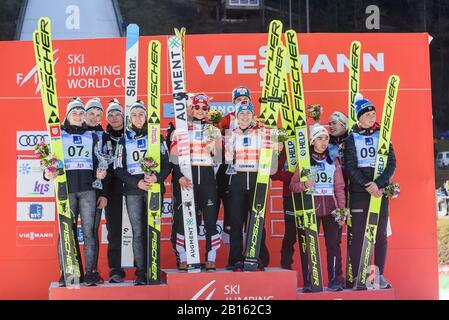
276	98
45	65
383	148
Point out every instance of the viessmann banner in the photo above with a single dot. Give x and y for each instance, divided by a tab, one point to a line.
215	64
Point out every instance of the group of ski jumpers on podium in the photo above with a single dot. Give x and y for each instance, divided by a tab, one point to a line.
224	172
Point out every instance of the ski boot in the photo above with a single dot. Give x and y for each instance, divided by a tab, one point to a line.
210	266
90	279
141	278
116	276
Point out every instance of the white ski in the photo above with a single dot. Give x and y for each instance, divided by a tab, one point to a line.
182	136
132	56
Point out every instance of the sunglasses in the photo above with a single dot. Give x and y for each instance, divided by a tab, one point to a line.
197	107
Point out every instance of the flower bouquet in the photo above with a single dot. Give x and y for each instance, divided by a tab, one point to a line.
314	111
392	191
215	116
340	215
47	161
148	165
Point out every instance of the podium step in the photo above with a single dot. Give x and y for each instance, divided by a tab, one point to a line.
272	284
387	294
109	291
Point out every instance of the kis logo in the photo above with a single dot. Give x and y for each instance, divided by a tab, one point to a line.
41	188
369	141
246	141
321	166
141	143
77	140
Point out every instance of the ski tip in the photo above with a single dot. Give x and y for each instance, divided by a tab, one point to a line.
394	81
44	23
180	32
395	76
132	30
132	26
44	19
276	22
132	35
275	27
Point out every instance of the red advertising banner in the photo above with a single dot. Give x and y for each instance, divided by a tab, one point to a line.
270	285
215	64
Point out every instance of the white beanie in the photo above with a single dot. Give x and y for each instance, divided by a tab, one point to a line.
138	105
316	131
340	117
114	105
94	103
74	103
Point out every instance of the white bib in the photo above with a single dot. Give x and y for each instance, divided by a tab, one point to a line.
324	181
366	148
78	150
136	150
247	148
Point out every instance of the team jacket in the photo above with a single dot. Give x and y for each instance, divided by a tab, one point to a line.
202	159
337	147
329	189
360	158
110	139
80	161
131	149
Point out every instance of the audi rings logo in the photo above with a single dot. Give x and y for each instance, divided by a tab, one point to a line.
26	140
30	140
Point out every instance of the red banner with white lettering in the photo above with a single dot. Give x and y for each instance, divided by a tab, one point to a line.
215	64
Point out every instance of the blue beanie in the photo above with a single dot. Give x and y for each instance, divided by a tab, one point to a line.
363	106
243	105
240	92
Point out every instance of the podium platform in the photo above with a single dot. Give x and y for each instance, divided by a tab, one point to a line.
109	291
272	284
387	294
